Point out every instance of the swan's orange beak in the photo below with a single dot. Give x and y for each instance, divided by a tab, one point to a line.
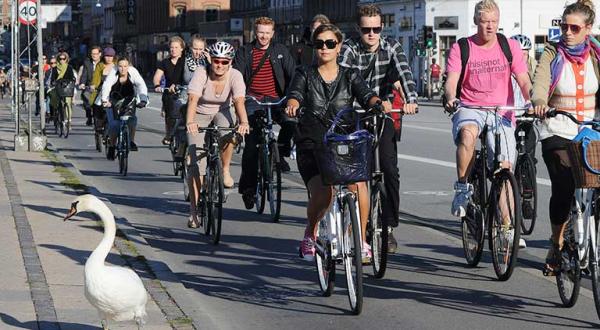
72	211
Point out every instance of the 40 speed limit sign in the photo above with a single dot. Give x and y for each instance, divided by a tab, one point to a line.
28	11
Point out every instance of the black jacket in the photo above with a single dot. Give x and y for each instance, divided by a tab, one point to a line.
321	102
282	62
87	73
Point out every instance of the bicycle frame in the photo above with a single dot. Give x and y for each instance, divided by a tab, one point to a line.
585	225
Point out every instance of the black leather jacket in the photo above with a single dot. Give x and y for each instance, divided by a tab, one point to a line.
322	101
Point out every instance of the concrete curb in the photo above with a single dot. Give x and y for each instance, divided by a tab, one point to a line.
174	289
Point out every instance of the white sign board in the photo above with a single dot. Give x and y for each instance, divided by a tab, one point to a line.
554	34
56	13
27	12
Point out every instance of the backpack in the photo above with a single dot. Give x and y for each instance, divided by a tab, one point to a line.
464	58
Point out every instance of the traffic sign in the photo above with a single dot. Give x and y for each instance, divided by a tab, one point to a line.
554	34
28	11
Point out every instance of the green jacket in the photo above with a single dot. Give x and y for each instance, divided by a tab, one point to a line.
96	82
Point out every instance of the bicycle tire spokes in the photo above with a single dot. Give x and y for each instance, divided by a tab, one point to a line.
352	253
324	259
525	174
378	234
568	277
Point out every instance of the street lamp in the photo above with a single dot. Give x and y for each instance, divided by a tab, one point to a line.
98	4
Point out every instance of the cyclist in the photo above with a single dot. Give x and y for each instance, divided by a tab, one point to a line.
310	89
486	82
50	110
122	82
567	79
195	57
378	59
267	68
172	70
86	74
211	92
63	70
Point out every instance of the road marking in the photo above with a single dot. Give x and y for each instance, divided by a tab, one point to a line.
426	192
542	181
179	192
441	130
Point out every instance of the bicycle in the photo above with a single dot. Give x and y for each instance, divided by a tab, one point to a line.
60	125
269	170
484	210
124	109
212	192
580	247
178	139
525	173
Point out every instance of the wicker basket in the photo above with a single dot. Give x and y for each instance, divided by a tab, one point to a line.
582	176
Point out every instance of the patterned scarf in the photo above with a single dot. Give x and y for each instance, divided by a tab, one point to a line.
572	54
192	63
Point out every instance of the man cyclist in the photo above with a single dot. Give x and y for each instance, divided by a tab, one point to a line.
486	82
267	68
378	59
86	73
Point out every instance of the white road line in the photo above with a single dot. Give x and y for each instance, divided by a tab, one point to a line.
542	181
423	128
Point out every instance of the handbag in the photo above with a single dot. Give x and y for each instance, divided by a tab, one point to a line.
65	88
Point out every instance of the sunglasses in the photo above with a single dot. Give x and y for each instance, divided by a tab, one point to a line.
367	30
223	62
329	43
53	62
564	27
62	58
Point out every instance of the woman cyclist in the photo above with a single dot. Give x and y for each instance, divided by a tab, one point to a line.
211	92
123	82
567	79
63	71
310	88
195	57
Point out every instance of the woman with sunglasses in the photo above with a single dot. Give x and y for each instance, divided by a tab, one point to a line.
63	71
567	79
211	91
323	89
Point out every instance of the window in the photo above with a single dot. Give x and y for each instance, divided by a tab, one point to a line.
211	14
180	12
538	46
388	20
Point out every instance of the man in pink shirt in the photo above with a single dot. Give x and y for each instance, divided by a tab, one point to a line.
486	82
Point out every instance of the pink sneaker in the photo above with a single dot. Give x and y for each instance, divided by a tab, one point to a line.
307	248
366	253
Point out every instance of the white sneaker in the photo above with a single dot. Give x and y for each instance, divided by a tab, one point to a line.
522	243
462	194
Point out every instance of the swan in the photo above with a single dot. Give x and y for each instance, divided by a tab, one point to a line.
117	292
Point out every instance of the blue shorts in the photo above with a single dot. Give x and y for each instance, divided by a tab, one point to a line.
508	144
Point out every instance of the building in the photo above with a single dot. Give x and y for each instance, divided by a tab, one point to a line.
243	14
341	12
289	23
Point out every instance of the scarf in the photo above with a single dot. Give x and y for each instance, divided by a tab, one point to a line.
192	63
572	54
62	69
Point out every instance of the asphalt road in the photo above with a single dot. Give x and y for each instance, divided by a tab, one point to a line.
254	280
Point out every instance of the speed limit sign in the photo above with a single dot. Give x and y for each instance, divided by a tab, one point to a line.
28	11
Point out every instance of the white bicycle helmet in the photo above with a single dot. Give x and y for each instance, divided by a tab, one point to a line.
221	49
523	41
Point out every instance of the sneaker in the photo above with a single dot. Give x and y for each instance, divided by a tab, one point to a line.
509	235
552	260
307	248
283	164
366	253
522	243
111	153
133	146
248	197
462	194
392	243
166	141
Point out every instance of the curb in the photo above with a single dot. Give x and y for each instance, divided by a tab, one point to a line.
169	293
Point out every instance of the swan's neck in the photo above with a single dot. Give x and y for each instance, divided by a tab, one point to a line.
97	257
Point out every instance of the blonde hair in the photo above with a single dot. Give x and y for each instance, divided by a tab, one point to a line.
583	7
485	6
177	39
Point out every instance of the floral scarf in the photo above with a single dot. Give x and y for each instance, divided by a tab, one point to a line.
572	54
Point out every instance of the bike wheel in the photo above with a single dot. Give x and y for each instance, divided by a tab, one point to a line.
125	151
378	233
67	125
204	203
352	253
260	199
173	149
568	278
473	224
504	237
98	140
274	183
526	179
593	252
186	187
216	197
323	260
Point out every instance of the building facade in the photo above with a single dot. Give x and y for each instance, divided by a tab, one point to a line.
289	23
341	12
243	14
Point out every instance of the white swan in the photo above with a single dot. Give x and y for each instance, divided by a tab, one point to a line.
117	292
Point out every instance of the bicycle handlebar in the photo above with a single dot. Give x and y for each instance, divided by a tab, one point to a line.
552	112
265	104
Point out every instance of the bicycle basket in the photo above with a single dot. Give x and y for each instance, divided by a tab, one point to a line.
585	163
65	88
124	107
345	158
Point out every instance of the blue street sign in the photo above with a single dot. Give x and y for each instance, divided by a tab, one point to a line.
554	34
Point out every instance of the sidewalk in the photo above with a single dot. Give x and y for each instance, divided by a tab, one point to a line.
41	282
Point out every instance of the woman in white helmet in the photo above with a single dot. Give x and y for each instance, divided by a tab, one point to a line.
526	45
211	91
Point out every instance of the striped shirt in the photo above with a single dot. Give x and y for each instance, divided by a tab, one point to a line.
391	65
263	83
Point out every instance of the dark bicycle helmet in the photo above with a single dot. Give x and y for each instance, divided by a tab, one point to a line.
221	49
524	41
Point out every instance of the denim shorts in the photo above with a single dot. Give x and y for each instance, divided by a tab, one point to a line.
508	144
